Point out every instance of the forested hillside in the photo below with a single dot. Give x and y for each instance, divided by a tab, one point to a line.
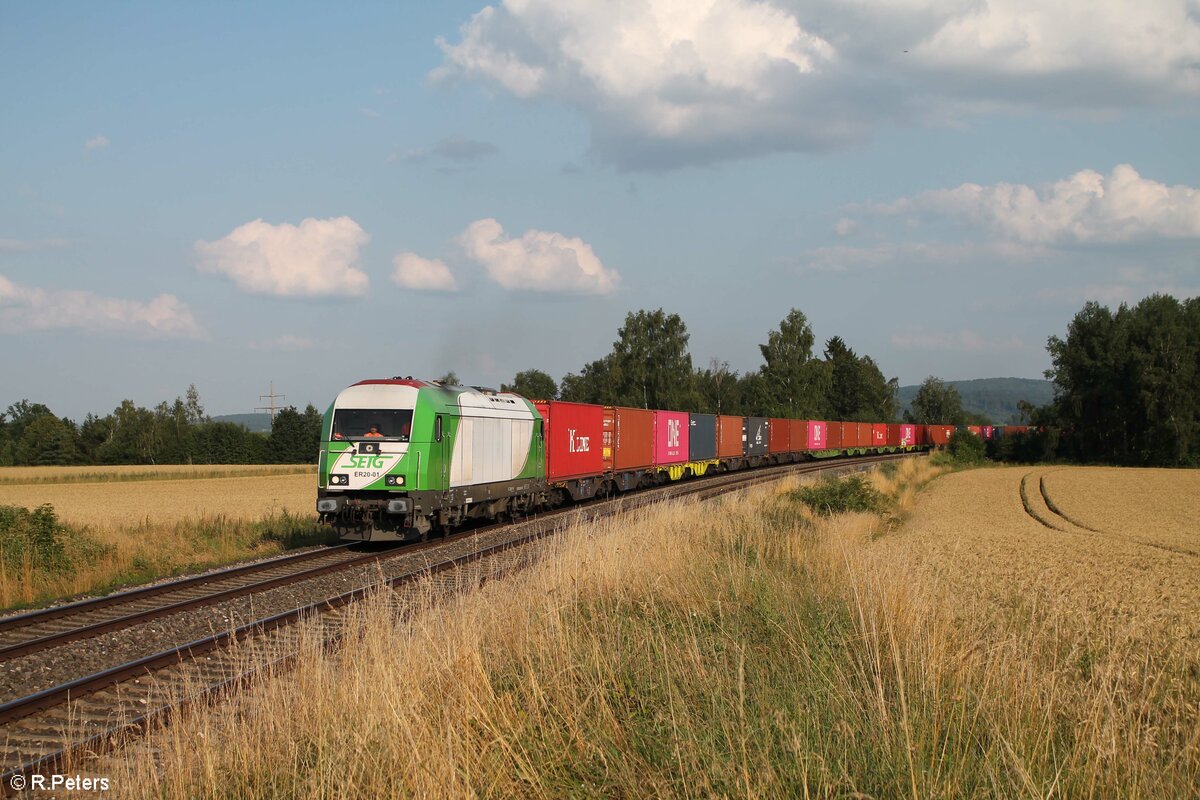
994	398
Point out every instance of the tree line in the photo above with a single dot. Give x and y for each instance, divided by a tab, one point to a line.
650	366
1127	391
170	433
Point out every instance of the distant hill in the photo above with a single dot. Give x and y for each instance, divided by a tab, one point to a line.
996	398
255	423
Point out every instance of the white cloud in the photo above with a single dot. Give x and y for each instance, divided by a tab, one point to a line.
98	142
539	261
965	341
422	274
845	227
317	258
1085	208
286	342
26	308
670	82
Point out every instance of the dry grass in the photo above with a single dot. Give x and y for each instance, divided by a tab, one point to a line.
123	503
954	648
1161	506
146	472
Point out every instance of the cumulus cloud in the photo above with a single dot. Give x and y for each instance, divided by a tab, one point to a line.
98	142
27	308
317	258
539	261
965	341
671	82
411	271
1085	208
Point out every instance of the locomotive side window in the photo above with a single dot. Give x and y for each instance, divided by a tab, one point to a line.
388	424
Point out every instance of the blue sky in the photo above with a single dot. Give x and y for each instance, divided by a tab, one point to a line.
227	195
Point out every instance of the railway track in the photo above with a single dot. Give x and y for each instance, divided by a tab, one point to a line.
60	727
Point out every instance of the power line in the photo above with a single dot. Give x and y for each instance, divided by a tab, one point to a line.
273	407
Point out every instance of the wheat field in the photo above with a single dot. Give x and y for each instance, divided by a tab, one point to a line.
1157	506
142	472
126	531
132	502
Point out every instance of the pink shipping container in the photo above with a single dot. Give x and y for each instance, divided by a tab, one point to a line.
817	438
987	432
670	437
781	436
574	433
633	438
908	435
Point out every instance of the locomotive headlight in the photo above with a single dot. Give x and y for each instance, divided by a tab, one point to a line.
339	480
394	480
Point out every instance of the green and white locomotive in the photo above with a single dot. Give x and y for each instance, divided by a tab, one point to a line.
402	457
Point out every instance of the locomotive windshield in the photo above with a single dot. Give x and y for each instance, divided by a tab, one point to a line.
392	424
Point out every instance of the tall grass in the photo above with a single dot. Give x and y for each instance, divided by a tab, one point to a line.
43	559
742	648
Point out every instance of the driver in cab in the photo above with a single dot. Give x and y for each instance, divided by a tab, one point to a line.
373	433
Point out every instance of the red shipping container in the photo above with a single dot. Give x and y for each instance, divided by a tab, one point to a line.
729	437
940	434
633	438
833	434
864	434
780	436
894	435
797	434
670	437
574	435
849	434
816	435
976	429
1015	430
879	436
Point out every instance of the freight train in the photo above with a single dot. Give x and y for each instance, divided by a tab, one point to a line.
401	458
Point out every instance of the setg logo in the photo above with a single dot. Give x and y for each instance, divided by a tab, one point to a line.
364	462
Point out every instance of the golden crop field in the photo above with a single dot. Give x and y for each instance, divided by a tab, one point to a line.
973	535
141	472
1157	506
126	502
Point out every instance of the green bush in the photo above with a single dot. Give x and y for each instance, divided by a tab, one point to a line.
967	448
37	535
833	495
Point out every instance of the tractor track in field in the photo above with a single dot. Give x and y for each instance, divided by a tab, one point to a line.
1040	505
62	725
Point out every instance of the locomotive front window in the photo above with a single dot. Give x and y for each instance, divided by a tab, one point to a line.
390	424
